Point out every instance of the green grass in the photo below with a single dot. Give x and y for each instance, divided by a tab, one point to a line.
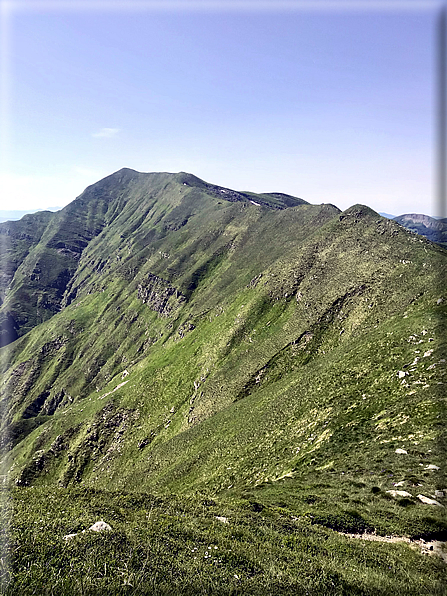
174	545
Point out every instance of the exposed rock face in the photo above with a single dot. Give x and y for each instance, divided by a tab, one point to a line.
160	295
24	377
101	443
227	194
42	460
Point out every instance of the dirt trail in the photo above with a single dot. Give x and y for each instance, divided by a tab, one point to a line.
433	547
113	390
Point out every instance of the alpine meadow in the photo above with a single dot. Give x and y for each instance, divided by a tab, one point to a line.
247	389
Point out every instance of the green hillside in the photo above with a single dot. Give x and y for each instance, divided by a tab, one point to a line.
180	354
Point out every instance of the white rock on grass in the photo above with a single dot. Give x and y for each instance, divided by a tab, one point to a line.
399	450
222	519
399	493
431	467
428	501
99	526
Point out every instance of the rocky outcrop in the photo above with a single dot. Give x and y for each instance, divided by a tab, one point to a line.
227	194
43	460
160	295
19	389
102	442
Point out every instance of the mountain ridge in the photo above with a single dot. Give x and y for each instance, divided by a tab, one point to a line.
69	231
247	353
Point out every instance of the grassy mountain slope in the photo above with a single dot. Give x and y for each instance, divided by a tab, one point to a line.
39	263
254	349
17	239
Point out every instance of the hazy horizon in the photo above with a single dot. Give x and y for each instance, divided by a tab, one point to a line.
333	105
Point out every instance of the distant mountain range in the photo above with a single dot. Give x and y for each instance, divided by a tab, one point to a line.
433	229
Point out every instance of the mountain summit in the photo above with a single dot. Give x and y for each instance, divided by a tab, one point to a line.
42	252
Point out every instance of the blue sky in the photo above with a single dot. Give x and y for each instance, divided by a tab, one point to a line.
333	105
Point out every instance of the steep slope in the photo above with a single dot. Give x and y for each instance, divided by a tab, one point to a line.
42	269
17	239
136	285
239	305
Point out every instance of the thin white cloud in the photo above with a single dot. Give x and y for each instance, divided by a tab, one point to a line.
106	133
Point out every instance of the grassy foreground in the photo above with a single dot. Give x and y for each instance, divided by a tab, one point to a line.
178	545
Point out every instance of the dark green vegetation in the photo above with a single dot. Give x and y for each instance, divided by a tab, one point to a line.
433	229
181	352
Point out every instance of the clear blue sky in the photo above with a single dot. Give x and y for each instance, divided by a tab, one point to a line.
333	106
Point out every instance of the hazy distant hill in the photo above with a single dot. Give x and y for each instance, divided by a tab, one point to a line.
266	357
433	229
